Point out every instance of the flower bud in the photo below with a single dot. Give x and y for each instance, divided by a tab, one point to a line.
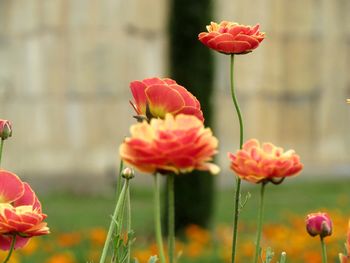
319	224
128	173
5	129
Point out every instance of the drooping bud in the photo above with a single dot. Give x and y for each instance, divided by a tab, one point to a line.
5	129
319	224
128	173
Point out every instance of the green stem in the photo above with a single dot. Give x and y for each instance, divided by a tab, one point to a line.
157	220
171	217
1	147
260	221
113	221
11	248
324	252
128	223
238	180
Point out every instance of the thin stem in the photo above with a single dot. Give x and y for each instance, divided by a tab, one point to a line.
113	221
260	221
128	223
11	248
1	147
324	252
171	216
157	220
234	99
238	180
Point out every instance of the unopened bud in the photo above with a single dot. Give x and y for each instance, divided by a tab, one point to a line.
319	224
128	173
5	129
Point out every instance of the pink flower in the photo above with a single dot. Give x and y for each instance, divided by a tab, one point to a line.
318	224
20	212
5	129
231	38
155	97
266	163
176	144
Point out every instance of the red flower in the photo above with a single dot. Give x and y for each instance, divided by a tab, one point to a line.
231	38
155	97
319	224
5	129
177	144
20	212
264	164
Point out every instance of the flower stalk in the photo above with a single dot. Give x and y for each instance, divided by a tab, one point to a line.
238	180
171	217
260	221
118	209
12	246
1	148
324	251
157	219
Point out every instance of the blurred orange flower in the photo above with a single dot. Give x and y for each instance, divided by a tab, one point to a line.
266	163
155	97
98	235
177	144
64	257
231	38
69	239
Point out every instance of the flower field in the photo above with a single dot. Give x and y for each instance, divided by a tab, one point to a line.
286	208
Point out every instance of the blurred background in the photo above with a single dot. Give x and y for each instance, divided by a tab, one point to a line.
65	68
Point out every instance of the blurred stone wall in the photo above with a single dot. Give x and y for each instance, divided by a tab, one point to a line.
65	66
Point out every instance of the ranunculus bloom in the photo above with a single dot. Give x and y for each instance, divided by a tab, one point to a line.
176	144
346	258
155	97
266	163
318	224
231	38
20	212
5	129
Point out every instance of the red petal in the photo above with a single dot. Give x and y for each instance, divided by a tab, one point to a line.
153	81
193	111
11	187
234	31
251	40
28	197
5	242
162	97
236	47
138	92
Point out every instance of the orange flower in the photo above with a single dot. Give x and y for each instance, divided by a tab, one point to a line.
20	212
69	239
98	235
64	257
264	164
177	144
155	97
231	38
